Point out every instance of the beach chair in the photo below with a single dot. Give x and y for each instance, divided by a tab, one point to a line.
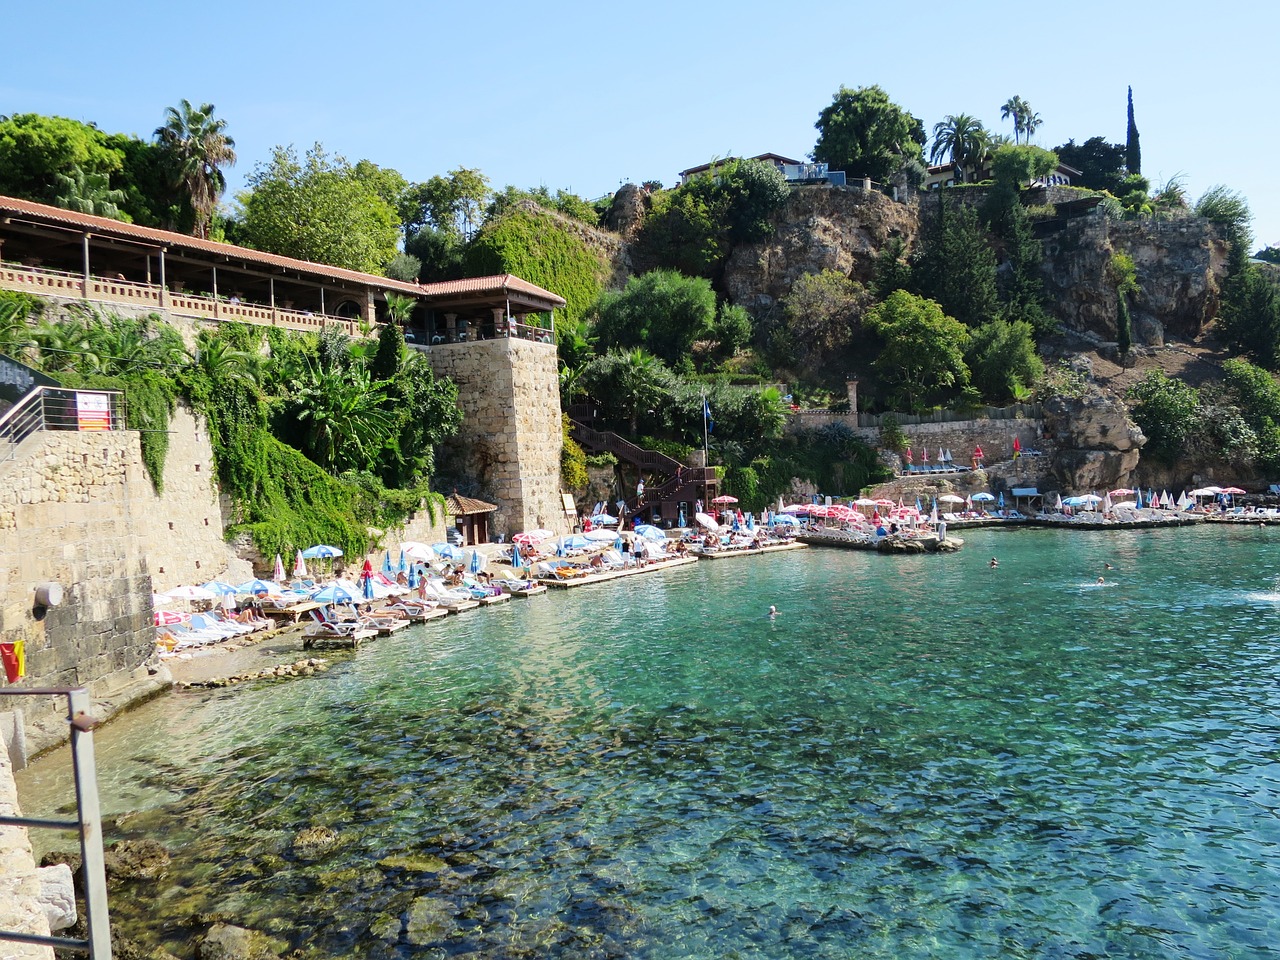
204	621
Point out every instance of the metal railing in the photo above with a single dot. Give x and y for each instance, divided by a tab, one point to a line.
57	408
88	824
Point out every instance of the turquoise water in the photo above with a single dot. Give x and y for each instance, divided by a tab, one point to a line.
919	757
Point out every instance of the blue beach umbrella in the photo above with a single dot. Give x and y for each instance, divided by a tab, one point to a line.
680	522
446	551
920	509
321	551
368	588
403	566
333	594
617	544
413	575
516	560
1137	498
259	586
560	547
476	562
1000	500
650	532
386	563
220	588
784	520
751	521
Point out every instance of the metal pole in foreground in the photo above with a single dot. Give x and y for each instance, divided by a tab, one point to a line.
95	873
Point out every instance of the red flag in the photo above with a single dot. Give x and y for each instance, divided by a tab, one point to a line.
1017	446
14	661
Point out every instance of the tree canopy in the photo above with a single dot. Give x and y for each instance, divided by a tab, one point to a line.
319	209
661	311
865	134
923	354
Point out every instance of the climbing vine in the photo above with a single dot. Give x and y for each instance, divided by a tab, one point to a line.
538	246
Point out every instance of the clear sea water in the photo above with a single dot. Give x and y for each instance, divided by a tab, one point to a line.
919	757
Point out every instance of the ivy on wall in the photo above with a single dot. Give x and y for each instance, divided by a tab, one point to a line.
538	246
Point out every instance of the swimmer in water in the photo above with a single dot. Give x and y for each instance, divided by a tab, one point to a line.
1106	566
773	612
994	563
1101	582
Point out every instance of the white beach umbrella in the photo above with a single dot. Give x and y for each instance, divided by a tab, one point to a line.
190	593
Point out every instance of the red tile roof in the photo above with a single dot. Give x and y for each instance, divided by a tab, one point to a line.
458	506
11	206
503	284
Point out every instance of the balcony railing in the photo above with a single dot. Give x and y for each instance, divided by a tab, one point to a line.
43	281
57	408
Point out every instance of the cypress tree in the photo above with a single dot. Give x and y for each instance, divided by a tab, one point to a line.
1124	329
1132	150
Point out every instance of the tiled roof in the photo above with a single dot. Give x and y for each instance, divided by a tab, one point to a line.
501	284
11	206
458	506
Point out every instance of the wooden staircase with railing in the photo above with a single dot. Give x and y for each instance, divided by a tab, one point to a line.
671	482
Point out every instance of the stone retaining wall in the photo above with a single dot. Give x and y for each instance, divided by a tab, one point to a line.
74	508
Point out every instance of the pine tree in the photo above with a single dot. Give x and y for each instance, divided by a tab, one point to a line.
1132	150
957	267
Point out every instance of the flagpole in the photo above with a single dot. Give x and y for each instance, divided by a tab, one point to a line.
706	456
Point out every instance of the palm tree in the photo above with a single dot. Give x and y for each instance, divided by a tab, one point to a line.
1017	109
963	140
198	149
346	423
88	193
1030	123
400	308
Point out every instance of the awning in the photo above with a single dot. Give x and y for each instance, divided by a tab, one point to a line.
1025	492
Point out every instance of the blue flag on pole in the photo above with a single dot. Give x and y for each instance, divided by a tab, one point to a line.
706	415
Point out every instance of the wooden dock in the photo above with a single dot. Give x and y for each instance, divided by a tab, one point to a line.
724	553
582	581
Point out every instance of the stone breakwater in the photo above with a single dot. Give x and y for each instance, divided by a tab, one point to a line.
299	668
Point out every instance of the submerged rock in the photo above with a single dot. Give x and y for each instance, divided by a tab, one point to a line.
313	841
136	860
227	942
430	921
414	863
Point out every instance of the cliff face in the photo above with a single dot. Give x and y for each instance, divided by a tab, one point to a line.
831	228
1180	266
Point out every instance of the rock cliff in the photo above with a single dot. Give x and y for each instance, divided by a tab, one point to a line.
1096	445
819	228
1180	266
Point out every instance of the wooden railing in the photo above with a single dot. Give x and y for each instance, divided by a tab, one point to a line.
605	441
42	281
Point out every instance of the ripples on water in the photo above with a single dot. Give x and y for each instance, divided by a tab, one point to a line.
920	757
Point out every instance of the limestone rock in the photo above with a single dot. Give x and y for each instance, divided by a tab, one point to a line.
1097	445
1180	265
313	841
136	860
227	942
818	229
429	921
627	211
58	896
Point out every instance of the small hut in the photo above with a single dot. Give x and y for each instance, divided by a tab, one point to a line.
471	517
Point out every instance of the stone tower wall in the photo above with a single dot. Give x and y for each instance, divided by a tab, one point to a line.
511	436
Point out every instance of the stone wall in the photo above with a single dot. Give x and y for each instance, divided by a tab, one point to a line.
73	511
960	437
511	436
183	527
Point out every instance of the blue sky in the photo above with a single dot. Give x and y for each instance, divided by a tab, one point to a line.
585	96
